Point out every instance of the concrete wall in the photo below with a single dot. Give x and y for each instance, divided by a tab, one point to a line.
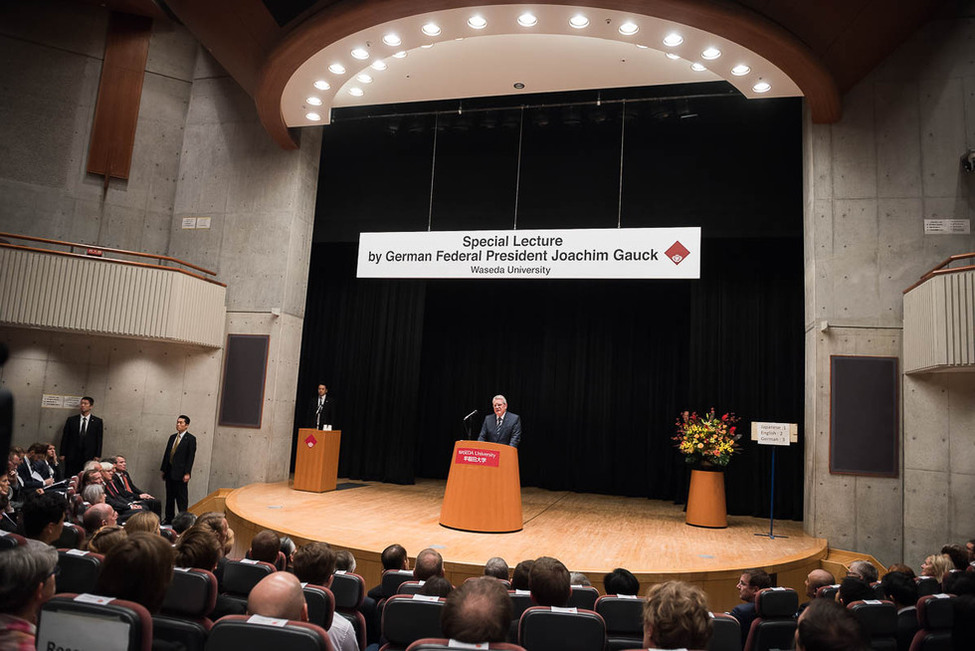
870	180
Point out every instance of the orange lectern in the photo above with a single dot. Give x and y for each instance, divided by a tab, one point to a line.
483	489
317	460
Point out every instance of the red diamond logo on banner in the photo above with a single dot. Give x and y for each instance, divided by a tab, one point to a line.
310	440
677	252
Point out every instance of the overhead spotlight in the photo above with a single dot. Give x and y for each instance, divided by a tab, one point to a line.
698	67
314	101
477	22
392	40
527	19
314	117
642	47
671	55
740	70
400	55
364	78
379	64
355	91
321	84
337	68
762	87
427	46
673	39
629	28
431	29
710	54
360	53
578	21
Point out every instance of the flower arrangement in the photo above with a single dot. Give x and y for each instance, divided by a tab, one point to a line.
707	439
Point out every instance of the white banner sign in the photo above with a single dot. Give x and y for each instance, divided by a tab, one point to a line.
775	433
581	253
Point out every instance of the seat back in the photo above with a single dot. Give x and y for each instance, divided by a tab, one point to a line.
410	587
443	644
348	590
240	576
521	600
192	594
623	616
408	618
927	585
935	616
169	534
726	633
878	619
86	621
828	592
188	634
774	627
542	628
392	580
583	596
79	570
321	604
907	627
237	632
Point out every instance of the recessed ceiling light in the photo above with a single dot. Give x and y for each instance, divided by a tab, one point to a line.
337	68
360	53
355	91
400	55
379	64
527	19
321	84
519	86
642	47
629	28
314	117
392	39
579	21
427	46
671	55
364	78
740	70
431	29
698	67
673	39
477	22
762	87
314	101
711	54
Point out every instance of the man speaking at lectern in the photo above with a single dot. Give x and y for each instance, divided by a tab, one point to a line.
503	427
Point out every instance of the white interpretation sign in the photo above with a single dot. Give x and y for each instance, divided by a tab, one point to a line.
947	226
566	253
775	433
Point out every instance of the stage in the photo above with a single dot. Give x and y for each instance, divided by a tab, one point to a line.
589	533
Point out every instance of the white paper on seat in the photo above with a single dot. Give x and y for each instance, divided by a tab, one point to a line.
557	609
267	621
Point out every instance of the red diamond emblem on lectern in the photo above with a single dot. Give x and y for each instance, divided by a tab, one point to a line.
310	440
677	252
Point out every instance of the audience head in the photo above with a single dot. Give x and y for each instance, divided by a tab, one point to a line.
959	583
578	578
854	589
91	464
958	556
278	595
817	579
344	560
900	589
265	547
478	611
108	472
827	626
936	565
107	537
903	569
621	581
28	580
93	494
314	563
549	581
198	548
436	586
288	546
394	558
521	577
143	521
750	582
676	616
183	521
216	523
139	569
89	477
496	567
43	516
429	563
863	570
98	516
970	546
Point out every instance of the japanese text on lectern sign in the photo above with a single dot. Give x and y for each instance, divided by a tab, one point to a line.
477	457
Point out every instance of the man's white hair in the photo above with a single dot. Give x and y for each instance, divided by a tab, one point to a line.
501	398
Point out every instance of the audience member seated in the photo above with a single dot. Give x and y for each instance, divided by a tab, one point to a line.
903	569
521	576
676	616
125	507
199	548
970	546
278	595
216	523
52	461
34	472
549	581
393	558
959	583
123	487
429	563
89	477
621	581
8	520
28	573
98	516
144	522
814	581
750	582
958	556
478	611
578	578
855	589
103	540
827	626
436	586
43	517
344	560
936	565
863	570
94	494
183	521
265	546
314	563
139	569
288	548
902	590
496	567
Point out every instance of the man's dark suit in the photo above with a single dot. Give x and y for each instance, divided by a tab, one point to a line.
326	416
510	433
24	470
124	488
173	472
78	450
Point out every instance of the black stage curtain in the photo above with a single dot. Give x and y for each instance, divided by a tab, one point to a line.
598	370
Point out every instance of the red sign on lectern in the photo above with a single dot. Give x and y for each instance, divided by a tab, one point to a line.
476	457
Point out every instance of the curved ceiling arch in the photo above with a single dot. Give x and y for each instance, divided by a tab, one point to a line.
330	35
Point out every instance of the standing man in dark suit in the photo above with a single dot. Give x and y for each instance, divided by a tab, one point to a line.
81	438
177	464
323	409
503	427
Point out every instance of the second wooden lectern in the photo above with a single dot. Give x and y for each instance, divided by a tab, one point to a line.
483	489
317	460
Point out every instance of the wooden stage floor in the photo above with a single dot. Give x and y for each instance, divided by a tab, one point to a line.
589	533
